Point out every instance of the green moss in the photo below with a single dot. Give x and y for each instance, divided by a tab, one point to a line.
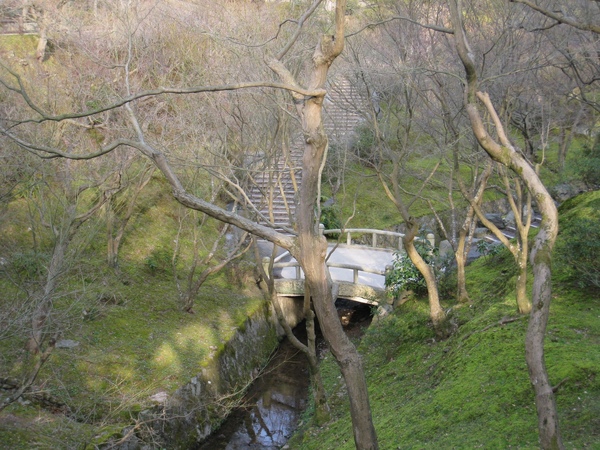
472	390
133	339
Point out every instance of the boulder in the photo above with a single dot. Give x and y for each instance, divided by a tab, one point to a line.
496	219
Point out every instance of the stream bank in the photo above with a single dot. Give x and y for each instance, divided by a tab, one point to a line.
271	409
181	419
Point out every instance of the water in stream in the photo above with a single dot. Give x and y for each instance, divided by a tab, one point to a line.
275	401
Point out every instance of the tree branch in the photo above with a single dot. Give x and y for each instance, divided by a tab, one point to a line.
391	19
559	17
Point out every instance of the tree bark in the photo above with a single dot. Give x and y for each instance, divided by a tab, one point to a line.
436	313
541	254
523	303
462	295
311	250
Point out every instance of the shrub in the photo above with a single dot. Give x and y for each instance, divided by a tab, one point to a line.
160	260
486	248
578	251
588	166
330	218
578	243
404	276
29	264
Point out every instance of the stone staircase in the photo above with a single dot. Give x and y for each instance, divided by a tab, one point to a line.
274	187
275	183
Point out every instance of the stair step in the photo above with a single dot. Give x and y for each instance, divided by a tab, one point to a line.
341	116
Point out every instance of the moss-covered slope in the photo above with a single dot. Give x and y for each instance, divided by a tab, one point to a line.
472	390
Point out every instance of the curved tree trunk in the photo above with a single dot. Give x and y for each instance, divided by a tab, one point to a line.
311	248
541	254
321	287
311	254
436	313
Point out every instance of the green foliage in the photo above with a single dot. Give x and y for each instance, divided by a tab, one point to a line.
28	264
588	166
471	390
404	276
486	248
133	339
330	218
159	261
578	245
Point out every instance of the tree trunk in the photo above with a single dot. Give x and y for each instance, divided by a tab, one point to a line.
314	250
42	21
462	296
322	411
311	248
523	303
112	239
541	254
436	313
311	256
44	304
545	403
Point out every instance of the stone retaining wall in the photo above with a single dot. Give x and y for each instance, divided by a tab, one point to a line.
196	409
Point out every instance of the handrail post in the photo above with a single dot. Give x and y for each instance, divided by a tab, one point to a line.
348	238
298	272
355	276
431	239
321	229
266	261
374	240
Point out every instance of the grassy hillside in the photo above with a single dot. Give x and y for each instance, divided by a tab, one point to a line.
133	339
472	390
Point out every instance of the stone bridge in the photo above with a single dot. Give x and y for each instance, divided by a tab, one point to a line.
358	270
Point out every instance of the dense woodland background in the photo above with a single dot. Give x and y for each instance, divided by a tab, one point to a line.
97	250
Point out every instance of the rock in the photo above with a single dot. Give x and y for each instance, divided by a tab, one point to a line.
496	219
66	343
329	202
159	397
564	191
446	250
480	232
509	219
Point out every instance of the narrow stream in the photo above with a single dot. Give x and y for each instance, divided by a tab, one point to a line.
274	403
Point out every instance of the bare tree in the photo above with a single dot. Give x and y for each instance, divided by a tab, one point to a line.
520	204
505	153
397	132
204	261
309	247
120	208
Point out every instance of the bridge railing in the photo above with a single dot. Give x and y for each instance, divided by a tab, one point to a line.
374	235
298	275
355	268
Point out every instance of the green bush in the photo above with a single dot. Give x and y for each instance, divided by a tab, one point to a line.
159	261
486	248
330	218
29	264
579	249
588	166
578	243
404	276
